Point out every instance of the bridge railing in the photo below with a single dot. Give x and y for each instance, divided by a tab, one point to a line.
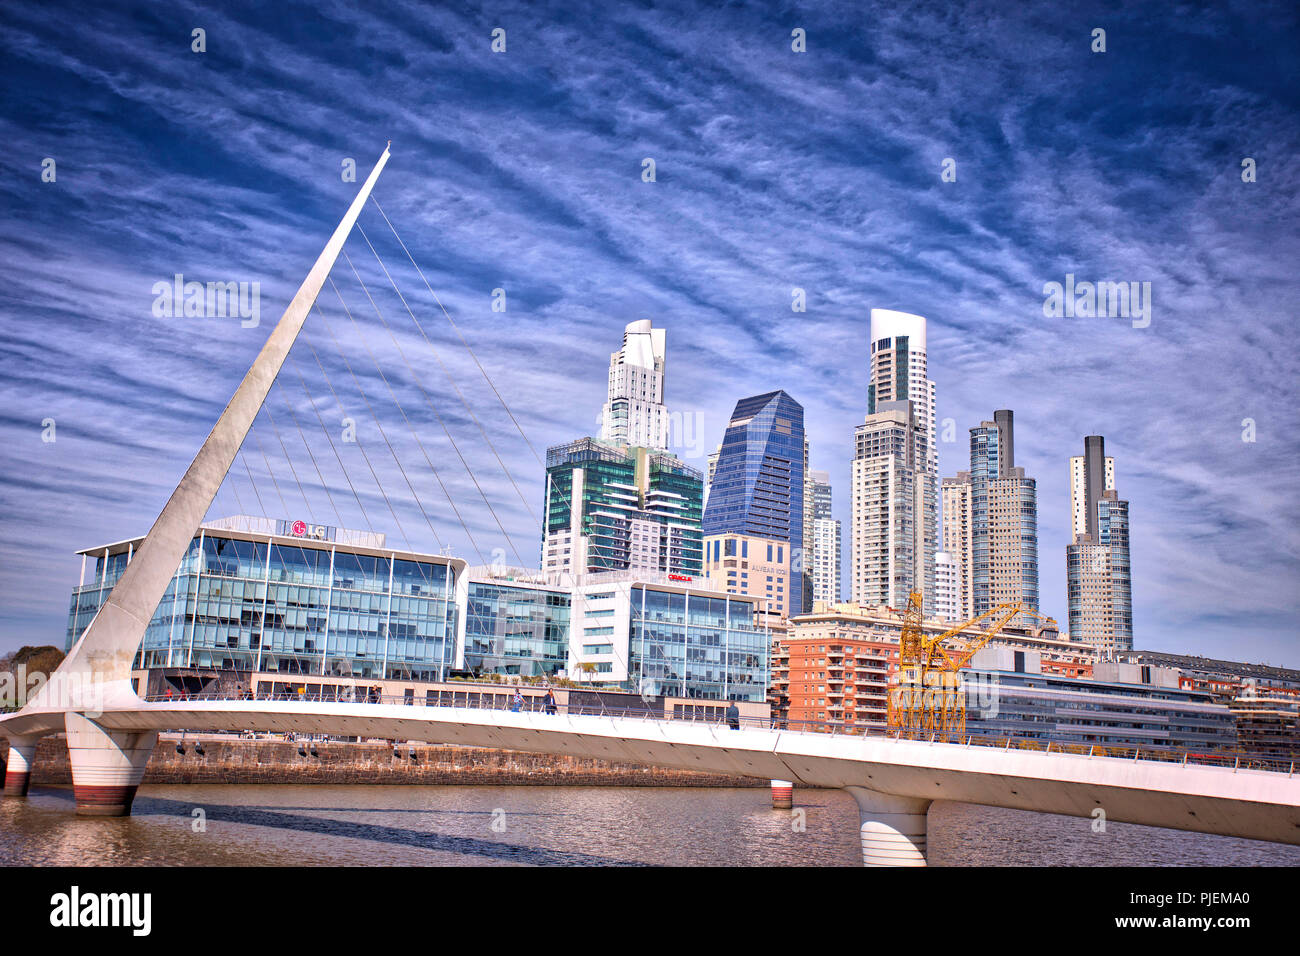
714	714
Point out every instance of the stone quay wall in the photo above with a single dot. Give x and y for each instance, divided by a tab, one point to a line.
274	761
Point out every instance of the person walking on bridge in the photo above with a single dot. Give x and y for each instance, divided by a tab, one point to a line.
516	702
550	701
733	716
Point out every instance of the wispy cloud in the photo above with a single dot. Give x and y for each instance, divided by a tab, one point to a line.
522	171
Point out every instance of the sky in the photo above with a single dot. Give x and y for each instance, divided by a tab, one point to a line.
524	170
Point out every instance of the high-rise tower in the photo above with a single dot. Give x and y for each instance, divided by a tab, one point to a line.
1099	584
895	491
1004	519
757	492
825	566
634	413
958	544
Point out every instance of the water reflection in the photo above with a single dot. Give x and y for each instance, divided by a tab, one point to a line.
559	826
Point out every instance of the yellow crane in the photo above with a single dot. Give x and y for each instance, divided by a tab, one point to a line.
925	693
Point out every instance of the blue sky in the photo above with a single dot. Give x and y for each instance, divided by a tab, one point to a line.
522	170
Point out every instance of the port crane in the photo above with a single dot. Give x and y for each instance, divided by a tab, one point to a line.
926	692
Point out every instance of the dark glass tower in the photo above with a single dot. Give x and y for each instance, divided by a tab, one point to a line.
758	485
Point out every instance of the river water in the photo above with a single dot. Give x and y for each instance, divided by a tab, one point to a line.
567	826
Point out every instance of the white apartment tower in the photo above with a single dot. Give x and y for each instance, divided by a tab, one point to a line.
634	413
826	541
958	542
1079	490
895	489
892	554
946	588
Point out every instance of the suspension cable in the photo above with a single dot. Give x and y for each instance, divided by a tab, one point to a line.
456	328
393	392
330	438
379	484
257	438
310	454
311	516
414	494
436	414
447	372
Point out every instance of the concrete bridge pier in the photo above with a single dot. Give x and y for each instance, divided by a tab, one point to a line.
893	829
18	771
107	766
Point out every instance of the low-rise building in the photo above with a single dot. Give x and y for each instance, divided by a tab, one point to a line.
284	600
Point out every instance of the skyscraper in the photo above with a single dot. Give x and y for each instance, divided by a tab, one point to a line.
758	489
826	542
1004	519
710	468
895	493
946	589
621	502
634	413
891	558
957	541
614	508
1099	587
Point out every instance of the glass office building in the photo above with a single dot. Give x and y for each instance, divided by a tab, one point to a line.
256	595
272	598
695	645
758	483
516	628
612	507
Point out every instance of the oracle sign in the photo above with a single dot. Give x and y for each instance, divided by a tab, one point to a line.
680	577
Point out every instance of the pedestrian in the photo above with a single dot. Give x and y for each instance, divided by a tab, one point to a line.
550	701
733	716
517	702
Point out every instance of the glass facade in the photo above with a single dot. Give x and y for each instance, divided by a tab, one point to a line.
287	608
511	629
758	485
692	645
638	510
983	470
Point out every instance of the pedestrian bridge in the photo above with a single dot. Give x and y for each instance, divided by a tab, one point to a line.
893	780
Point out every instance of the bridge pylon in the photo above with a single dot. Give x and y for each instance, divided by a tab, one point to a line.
893	829
96	674
18	769
107	766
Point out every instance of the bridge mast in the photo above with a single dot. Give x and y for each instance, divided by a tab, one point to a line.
109	644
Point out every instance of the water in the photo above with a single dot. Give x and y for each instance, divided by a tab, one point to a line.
567	826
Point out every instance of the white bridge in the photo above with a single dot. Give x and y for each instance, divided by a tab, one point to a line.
893	781
111	732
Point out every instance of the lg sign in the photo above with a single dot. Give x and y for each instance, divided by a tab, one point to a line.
301	529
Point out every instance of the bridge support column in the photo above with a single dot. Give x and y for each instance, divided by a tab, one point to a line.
107	766
893	828
18	771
